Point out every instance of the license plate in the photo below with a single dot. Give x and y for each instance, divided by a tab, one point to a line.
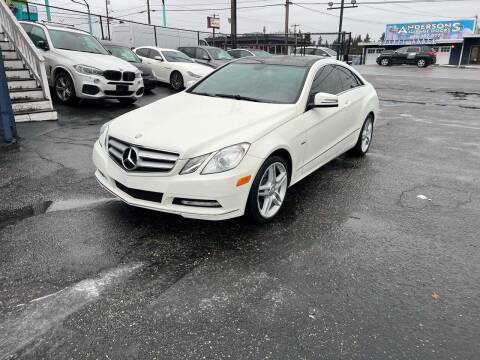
122	89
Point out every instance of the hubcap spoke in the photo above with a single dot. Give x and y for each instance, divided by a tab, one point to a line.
272	190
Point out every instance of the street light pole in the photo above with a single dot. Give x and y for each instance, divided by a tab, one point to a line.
341	7
287	14
148	12
233	23
108	20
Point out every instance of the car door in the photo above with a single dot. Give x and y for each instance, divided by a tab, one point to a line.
412	53
159	65
399	56
37	35
325	126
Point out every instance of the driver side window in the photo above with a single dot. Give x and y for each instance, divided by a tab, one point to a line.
325	81
37	34
153	53
202	54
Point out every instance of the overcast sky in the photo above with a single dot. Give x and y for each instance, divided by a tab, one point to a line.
364	19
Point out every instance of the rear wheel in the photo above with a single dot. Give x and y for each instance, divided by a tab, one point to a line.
268	190
364	139
421	63
384	62
176	81
65	88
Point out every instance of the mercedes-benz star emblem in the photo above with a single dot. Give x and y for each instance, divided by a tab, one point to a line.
130	158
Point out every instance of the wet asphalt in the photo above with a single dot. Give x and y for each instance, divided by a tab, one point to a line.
372	258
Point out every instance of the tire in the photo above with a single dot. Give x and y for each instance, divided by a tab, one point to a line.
127	101
384	62
363	143
275	195
64	88
421	63
176	81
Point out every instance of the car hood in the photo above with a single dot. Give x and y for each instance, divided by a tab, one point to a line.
194	125
195	68
99	61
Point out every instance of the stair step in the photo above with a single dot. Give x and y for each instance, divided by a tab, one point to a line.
19	106
5	45
10	55
22	84
12	64
36	116
18	74
26	94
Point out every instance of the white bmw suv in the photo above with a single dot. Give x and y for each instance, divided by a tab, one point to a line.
79	67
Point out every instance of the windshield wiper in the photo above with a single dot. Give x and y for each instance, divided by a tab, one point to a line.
237	97
204	94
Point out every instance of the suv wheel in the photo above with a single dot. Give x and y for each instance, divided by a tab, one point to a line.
384	62
268	190
64	88
421	63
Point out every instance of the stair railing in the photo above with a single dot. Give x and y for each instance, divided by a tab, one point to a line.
24	47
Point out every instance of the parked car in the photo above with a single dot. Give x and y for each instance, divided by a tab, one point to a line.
172	66
318	51
125	53
236	140
239	53
79	67
208	55
422	56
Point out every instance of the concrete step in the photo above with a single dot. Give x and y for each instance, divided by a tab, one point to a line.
10	55
22	84
36	116
11	64
5	45
18	74
22	106
24	94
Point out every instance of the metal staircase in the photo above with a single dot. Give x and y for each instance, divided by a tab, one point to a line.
25	71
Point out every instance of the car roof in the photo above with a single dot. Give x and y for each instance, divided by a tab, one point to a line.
56	26
300	61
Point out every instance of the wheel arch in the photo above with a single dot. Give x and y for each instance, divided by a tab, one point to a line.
284	154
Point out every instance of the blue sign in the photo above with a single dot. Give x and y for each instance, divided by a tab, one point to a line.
428	32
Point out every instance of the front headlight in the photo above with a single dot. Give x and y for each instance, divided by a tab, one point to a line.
226	159
193	164
88	70
194	75
103	138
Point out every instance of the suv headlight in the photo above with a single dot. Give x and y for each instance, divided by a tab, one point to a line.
103	138
226	159
88	70
194	75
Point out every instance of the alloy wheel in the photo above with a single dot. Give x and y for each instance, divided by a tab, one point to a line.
272	190
367	135
63	88
177	81
421	63
384	62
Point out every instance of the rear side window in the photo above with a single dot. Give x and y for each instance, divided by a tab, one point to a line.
145	52
202	54
327	81
347	78
27	27
235	53
413	49
245	53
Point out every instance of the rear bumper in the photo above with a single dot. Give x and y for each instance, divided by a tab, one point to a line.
219	187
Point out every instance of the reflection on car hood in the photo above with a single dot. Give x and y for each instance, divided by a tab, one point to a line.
196	68
193	124
99	61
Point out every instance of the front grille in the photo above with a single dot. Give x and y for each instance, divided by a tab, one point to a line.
147	160
141	194
112	75
128	76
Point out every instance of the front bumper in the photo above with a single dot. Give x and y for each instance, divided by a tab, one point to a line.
220	187
97	87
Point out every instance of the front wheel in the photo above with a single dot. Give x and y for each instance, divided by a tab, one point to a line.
268	190
384	62
65	88
176	81
364	139
421	63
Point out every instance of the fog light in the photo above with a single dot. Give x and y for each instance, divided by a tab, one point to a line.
197	203
96	81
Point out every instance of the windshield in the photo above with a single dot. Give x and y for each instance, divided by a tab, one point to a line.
176	56
330	51
260	53
68	40
219	54
123	53
255	81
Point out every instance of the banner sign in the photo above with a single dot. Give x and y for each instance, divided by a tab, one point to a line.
213	22
428	32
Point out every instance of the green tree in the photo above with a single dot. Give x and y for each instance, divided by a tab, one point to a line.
382	38
367	38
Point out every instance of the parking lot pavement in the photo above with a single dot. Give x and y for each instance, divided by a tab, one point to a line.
371	258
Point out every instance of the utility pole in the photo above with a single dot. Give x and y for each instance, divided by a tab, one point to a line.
107	2
213	29
233	23
341	7
287	11
295	35
148	12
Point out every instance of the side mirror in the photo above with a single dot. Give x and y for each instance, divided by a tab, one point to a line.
325	100
42	45
206	57
159	58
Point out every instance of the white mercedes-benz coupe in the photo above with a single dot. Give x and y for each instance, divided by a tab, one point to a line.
234	142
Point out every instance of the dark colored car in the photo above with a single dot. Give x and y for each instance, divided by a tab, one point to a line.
419	55
124	53
207	55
